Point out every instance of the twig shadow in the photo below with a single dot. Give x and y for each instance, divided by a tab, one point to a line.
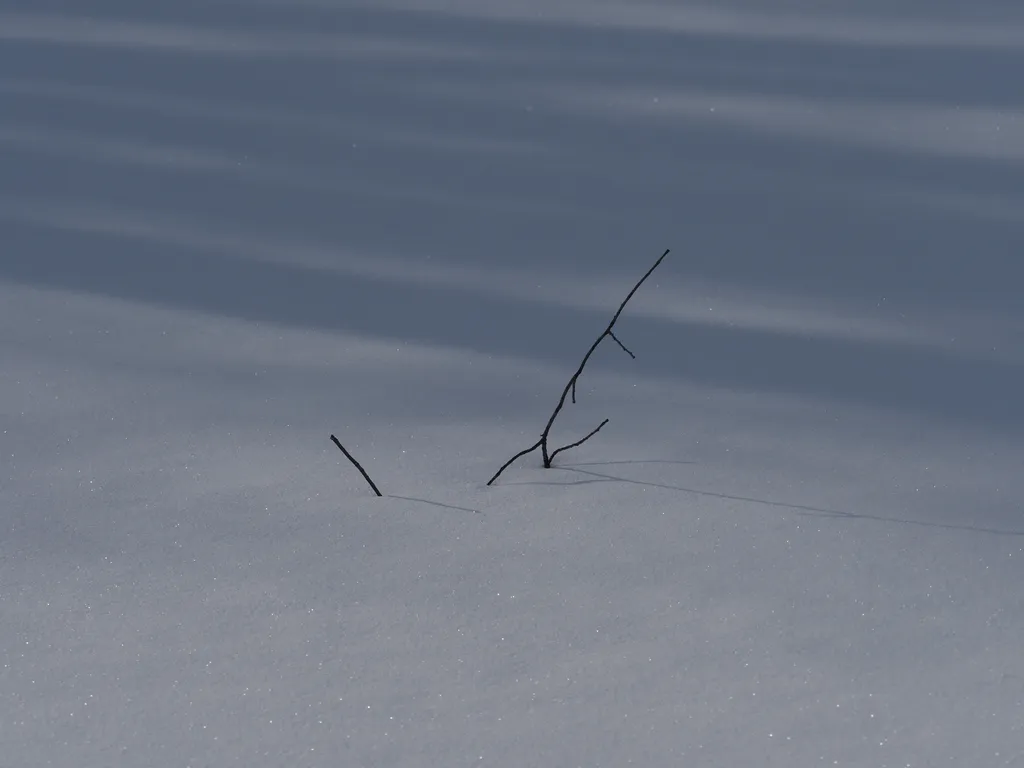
433	503
598	478
804	509
627	461
566	483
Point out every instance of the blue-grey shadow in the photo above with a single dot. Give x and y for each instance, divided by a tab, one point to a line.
603	193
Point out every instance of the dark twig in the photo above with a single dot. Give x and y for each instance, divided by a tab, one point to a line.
624	349
357	465
570	387
578	442
508	463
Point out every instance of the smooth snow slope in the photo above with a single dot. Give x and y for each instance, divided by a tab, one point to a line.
230	228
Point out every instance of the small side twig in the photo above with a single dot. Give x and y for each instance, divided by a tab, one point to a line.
624	347
357	465
570	387
578	442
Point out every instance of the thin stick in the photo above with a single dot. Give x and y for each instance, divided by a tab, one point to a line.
624	347
508	463
578	442
570	387
357	465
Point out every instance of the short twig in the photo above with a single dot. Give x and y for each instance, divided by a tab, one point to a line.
508	463
578	442
624	348
570	387
357	465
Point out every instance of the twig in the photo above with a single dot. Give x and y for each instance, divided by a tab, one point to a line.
508	463
357	465
578	442
624	348
570	387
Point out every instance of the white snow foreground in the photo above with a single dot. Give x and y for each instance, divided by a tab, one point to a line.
193	575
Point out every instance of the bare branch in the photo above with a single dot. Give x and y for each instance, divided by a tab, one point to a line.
578	442
357	465
570	387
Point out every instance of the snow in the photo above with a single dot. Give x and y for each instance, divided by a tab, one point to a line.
232	228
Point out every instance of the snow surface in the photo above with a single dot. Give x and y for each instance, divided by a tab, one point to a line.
230	228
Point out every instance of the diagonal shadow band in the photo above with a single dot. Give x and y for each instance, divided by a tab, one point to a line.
155	268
